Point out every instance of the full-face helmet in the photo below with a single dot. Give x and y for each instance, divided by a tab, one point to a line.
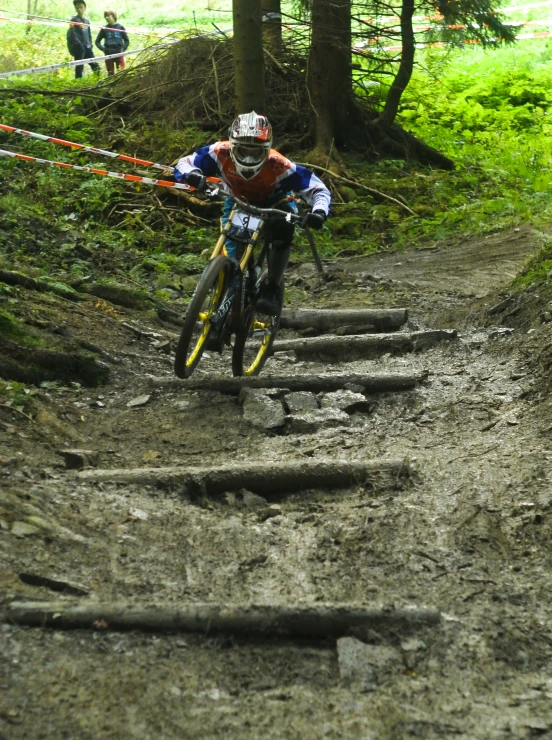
250	142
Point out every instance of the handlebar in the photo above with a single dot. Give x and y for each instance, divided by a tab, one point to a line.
219	187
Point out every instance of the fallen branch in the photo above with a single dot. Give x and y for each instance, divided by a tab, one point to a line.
354	184
340	349
275	477
324	319
373	383
315	622
13	408
33	579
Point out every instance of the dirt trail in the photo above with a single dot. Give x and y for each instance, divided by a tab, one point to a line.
468	267
469	534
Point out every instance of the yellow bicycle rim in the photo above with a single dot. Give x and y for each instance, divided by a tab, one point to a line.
205	317
250	370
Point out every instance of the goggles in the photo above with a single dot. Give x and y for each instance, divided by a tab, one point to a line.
249	155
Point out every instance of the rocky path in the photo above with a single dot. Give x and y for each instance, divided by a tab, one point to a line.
467	532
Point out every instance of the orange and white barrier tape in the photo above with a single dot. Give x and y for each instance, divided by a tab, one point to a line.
85	148
45	20
97	171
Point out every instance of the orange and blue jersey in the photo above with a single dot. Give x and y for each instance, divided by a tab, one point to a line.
276	179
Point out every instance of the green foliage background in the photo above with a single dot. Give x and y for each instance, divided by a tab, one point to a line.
488	111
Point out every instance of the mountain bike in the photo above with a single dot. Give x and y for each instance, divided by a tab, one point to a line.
224	301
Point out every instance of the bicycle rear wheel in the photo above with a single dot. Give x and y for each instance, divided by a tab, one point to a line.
255	337
197	322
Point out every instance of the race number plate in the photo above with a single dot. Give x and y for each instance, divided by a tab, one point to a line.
245	221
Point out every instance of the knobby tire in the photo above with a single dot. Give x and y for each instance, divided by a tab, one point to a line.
248	361
188	351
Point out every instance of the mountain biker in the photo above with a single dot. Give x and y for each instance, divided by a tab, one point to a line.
255	172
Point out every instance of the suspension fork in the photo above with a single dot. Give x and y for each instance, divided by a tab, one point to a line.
236	280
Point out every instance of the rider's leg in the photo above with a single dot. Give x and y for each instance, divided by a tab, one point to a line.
280	234
230	246
278	257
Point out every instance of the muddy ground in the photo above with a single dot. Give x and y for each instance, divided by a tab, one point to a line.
468	533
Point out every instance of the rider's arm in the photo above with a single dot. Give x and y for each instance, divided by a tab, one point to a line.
310	187
200	162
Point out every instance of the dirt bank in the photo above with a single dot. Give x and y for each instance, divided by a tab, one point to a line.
467	533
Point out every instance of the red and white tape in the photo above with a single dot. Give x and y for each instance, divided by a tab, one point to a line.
85	148
97	171
57	22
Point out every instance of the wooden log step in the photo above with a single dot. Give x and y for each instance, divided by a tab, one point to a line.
336	348
264	478
18	278
325	382
314	622
380	319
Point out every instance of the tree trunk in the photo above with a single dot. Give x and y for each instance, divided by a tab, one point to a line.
311	622
329	71
372	383
406	66
249	90
324	319
263	478
341	349
272	24
403	144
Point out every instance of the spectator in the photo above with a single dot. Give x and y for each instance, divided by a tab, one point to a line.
79	39
115	40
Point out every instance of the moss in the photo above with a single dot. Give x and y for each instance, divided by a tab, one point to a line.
537	270
348	194
120	295
12	328
350	226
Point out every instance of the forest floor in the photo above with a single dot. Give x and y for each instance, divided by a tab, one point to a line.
469	533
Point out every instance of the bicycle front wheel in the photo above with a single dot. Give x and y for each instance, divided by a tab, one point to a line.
254	338
197	322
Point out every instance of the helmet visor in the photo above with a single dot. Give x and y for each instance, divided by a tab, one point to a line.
250	155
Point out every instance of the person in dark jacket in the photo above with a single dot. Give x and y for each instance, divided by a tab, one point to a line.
79	39
115	40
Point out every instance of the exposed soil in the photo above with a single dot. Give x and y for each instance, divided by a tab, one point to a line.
468	533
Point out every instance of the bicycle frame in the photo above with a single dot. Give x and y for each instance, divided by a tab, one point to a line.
263	213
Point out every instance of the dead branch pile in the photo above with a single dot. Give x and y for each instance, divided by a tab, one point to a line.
192	82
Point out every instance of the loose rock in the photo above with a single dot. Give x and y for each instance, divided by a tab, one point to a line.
245	499
312	421
345	400
289	357
79	459
23	529
413	650
363	666
270	512
139	401
262	411
300	401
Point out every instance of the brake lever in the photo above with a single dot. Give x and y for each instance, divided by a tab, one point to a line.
212	193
